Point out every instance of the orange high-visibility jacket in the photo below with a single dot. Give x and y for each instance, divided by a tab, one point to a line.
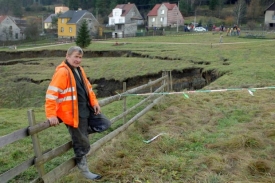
61	96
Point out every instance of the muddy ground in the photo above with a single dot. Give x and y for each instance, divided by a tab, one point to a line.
190	78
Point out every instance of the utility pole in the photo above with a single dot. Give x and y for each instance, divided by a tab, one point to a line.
178	17
195	18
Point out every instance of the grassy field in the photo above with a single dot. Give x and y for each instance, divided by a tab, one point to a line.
210	137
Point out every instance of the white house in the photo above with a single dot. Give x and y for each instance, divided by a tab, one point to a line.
165	14
125	18
9	31
269	19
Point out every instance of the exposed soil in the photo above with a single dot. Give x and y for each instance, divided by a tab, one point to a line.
190	78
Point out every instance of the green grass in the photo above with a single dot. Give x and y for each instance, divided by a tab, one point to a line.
209	137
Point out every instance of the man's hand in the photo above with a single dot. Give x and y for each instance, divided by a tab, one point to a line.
97	109
53	121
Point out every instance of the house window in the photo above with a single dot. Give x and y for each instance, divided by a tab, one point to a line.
62	20
62	29
133	13
273	17
161	19
70	29
162	11
16	35
119	26
112	21
116	14
154	19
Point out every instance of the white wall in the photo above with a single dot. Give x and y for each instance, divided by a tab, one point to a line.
5	26
116	18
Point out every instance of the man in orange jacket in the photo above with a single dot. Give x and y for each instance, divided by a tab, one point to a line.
70	99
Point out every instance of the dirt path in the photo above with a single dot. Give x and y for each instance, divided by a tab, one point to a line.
22	49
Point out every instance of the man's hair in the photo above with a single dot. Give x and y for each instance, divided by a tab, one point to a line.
74	49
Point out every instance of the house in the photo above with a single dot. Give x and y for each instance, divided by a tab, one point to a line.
60	9
165	14
48	22
125	18
70	22
269	18
9	31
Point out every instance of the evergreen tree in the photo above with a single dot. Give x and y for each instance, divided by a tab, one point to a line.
73	4
17	10
213	4
83	39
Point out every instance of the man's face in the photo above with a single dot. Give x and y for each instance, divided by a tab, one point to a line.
74	59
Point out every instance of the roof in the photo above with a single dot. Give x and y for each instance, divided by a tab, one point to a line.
169	6
125	9
74	15
271	7
49	18
154	11
2	18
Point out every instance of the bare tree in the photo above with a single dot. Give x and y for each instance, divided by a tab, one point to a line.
239	11
220	6
31	30
254	9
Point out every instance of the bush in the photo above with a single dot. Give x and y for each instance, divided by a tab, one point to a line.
251	25
229	21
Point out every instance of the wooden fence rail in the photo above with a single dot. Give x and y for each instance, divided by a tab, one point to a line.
40	158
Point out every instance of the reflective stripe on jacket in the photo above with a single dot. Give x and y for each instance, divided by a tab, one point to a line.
61	95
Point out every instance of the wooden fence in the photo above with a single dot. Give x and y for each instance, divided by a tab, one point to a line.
162	84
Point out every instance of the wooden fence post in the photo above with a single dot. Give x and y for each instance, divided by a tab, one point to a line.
167	81
171	81
151	88
164	81
36	144
124	102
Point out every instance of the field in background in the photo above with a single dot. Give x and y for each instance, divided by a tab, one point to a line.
209	137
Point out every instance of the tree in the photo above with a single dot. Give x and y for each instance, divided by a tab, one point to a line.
239	11
17	10
213	4
220	6
55	20
254	9
83	39
31	30
73	4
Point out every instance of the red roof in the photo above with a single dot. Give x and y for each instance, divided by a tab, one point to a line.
2	18
154	11
125	9
169	6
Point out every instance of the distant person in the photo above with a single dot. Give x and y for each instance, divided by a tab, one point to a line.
70	99
238	31
231	31
228	31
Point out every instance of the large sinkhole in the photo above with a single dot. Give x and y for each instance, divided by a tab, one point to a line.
190	78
